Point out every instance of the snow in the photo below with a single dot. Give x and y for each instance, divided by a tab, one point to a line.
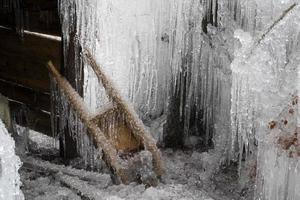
42	141
9	165
186	178
44	179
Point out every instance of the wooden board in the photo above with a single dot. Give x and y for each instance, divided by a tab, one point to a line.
24	77
42	16
27	96
24	60
117	131
34	15
26	104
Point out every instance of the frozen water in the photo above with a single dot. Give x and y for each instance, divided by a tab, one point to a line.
156	51
70	120
9	165
232	65
265	71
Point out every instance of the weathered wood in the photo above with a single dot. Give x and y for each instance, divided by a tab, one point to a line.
42	16
24	78
71	69
131	169
117	131
27	96
38	16
23	60
101	141
131	117
111	122
6	14
12	14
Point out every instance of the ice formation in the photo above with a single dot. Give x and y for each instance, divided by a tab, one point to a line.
70	121
156	51
9	165
264	89
231	65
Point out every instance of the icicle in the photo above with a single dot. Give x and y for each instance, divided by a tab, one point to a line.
155	51
158	50
263	81
61	107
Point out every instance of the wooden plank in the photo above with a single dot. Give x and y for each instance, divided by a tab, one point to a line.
72	69
28	96
130	116
81	110
23	60
38	16
7	17
114	127
42	16
128	167
34	102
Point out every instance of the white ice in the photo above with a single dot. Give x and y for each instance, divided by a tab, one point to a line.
9	165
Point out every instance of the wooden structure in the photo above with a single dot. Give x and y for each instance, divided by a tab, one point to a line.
128	136
23	77
30	36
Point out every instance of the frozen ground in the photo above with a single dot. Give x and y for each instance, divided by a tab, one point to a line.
186	178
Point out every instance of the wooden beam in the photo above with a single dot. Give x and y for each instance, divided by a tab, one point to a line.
131	117
122	137
31	98
81	110
38	16
42	16
23	60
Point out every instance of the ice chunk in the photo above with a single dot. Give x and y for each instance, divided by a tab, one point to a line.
9	165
